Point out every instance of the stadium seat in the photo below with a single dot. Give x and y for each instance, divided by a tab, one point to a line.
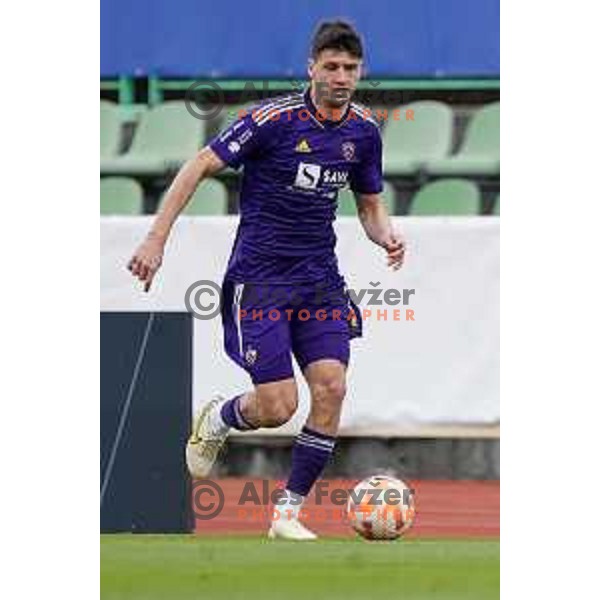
167	135
110	129
347	203
407	145
209	199
120	196
479	153
231	113
446	197
496	209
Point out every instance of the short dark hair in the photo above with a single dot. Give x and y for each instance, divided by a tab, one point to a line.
336	35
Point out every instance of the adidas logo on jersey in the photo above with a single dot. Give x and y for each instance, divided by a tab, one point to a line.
303	146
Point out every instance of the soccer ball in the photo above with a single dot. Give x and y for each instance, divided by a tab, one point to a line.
381	508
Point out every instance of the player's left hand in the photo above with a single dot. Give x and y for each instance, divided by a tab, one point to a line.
396	250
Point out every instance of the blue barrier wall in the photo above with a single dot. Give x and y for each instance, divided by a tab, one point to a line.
145	487
270	38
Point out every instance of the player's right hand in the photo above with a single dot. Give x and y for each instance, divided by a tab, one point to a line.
146	261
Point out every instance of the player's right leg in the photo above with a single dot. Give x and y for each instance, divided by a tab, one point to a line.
268	405
261	346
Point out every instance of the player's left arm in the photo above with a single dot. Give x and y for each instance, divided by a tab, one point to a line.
367	184
376	222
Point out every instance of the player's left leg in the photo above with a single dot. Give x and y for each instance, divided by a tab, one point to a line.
322	350
314	444
327	382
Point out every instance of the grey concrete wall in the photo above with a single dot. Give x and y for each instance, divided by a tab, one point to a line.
359	457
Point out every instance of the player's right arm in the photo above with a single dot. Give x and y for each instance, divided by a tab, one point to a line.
147	259
251	134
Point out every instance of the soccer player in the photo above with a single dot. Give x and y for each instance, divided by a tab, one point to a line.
297	152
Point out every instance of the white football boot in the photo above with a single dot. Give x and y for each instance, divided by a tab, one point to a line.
209	432
290	529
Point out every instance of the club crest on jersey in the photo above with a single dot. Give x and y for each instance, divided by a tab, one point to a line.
348	150
303	146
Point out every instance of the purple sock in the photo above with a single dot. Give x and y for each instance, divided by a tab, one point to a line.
232	415
310	454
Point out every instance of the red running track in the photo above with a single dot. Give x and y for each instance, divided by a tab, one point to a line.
443	509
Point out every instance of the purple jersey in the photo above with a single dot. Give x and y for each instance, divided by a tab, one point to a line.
294	165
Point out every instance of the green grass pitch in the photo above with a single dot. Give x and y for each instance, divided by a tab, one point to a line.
178	567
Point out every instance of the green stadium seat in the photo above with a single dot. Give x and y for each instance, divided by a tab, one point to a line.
496	209
479	153
110	129
451	197
347	202
230	114
120	196
209	199
407	145
166	136
389	196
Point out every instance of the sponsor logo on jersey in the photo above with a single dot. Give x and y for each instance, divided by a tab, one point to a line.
245	136
335	177
310	177
233	147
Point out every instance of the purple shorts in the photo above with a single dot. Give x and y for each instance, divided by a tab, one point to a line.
265	324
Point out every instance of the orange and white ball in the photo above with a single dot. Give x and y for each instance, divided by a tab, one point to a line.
381	508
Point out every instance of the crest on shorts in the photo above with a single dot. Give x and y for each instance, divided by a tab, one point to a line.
348	150
251	355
